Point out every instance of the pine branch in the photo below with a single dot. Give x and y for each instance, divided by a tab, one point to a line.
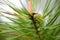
35	26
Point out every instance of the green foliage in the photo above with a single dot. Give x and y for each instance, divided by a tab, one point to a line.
25	26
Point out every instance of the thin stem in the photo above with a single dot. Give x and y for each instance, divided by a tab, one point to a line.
36	27
32	18
30	6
